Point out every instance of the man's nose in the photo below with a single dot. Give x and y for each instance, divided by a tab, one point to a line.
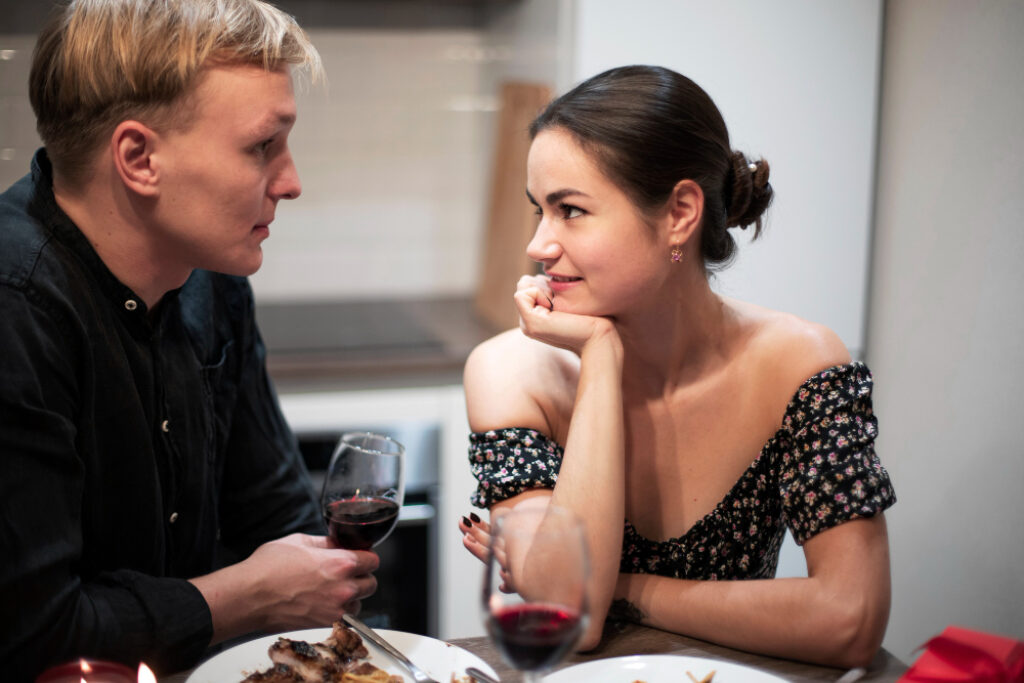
286	184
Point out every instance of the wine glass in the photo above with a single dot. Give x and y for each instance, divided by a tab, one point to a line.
534	594
363	490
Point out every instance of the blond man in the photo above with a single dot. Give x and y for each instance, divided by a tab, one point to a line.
153	501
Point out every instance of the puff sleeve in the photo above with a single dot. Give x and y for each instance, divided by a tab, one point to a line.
829	472
507	462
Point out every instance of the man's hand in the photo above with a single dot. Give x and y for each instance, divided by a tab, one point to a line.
294	582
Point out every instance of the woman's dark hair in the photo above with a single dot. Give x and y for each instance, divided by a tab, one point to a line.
648	128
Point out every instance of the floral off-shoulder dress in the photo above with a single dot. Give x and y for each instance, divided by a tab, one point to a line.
818	470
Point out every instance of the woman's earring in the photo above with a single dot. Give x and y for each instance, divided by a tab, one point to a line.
676	254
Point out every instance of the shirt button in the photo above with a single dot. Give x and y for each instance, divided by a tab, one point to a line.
173	517
165	426
131	304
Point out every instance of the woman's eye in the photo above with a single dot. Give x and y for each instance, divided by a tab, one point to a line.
569	211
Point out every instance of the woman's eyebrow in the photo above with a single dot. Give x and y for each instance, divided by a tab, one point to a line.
557	195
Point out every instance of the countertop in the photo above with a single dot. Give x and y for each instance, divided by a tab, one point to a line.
388	343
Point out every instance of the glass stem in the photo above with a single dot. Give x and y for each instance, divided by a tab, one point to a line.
531	677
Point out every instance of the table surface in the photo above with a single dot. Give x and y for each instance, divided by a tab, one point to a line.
633	639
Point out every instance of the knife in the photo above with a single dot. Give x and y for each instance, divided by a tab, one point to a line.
366	632
480	675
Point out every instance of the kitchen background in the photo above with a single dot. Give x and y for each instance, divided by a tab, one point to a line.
893	130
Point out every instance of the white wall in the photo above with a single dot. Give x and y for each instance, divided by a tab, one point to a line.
947	316
797	83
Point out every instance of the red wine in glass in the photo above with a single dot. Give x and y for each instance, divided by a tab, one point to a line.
535	586
534	637
363	490
360	523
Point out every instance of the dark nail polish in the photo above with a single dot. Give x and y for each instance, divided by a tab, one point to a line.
472	516
466	521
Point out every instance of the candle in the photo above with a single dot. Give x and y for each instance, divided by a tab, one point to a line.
145	674
93	671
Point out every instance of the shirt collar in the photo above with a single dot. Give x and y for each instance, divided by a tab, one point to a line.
129	304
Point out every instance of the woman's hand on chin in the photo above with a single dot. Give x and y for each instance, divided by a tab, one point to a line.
538	319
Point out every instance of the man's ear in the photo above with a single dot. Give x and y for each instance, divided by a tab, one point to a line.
685	210
133	146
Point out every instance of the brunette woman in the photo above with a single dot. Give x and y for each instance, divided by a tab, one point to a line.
687	429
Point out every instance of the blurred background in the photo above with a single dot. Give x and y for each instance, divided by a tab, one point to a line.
893	130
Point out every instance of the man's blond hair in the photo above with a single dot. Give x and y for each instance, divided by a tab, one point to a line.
101	62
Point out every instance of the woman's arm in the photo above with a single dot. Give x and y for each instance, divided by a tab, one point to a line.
836	616
592	473
591	479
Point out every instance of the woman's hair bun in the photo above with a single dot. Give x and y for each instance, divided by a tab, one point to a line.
748	192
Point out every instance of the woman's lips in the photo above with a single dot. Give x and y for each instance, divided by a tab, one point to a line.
561	283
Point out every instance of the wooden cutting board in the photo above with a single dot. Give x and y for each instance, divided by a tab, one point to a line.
510	218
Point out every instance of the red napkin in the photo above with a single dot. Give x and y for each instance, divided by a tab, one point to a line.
960	654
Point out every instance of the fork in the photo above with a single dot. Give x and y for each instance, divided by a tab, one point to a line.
418	674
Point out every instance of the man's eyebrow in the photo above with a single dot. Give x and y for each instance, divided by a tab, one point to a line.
557	195
274	123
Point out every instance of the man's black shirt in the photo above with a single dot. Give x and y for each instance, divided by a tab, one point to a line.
137	449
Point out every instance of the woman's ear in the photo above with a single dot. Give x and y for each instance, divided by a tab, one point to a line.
132	147
685	210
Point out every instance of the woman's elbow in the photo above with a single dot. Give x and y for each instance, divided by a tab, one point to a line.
858	632
591	638
859	652
593	630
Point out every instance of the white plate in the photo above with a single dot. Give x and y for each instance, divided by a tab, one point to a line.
436	657
659	669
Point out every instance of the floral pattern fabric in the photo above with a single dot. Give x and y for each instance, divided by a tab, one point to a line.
818	470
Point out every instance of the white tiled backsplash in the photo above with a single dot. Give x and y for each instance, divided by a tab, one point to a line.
394	154
18	139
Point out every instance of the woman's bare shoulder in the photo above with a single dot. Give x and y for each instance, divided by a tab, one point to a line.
514	381
788	348
510	353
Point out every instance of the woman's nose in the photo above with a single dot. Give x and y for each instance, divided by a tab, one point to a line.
543	247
